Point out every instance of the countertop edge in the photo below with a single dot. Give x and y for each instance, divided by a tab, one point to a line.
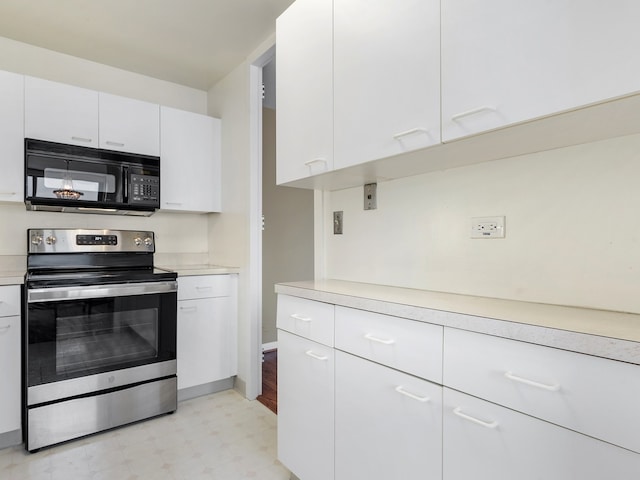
585	342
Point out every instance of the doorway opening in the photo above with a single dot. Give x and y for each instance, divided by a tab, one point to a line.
287	235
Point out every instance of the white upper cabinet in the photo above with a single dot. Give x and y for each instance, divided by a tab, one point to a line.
60	113
11	137
506	61
190	161
304	90
386	78
129	125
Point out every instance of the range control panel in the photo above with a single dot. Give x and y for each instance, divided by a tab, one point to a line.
63	240
96	239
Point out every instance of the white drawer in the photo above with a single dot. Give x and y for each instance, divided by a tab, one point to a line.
307	318
592	395
204	286
408	345
9	300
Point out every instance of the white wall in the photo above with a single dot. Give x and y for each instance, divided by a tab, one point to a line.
233	233
572	229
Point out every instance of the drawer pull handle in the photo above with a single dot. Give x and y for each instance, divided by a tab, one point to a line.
401	390
82	139
316	356
8	193
468	113
544	386
300	317
189	309
458	411
5	328
406	133
384	341
203	288
114	144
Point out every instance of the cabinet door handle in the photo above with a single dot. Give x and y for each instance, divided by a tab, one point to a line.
316	356
114	144
468	113
384	341
5	328
173	203
297	316
308	163
526	381
458	411
189	309
82	139
7	193
401	390
204	287
398	136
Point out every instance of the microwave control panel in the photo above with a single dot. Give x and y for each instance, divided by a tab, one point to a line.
144	190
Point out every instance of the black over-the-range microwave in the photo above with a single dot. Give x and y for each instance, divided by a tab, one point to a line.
70	178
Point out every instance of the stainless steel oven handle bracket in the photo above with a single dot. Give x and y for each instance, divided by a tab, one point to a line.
56	294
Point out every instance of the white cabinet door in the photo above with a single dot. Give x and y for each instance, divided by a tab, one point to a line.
388	423
60	113
506	61
207	329
304	92
202	343
11	137
305	407
386	78
190	161
483	441
129	125
10	343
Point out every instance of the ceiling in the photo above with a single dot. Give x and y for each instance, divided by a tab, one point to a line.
189	42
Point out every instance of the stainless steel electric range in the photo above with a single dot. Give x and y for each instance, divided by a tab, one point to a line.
99	333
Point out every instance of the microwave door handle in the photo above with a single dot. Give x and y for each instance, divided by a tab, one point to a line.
125	178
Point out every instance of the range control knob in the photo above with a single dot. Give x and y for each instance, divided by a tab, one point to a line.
36	240
51	240
137	241
148	241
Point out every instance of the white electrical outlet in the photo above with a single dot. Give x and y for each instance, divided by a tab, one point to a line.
487	227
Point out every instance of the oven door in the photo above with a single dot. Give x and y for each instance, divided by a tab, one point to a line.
82	339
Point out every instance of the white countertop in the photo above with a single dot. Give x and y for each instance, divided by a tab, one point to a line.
603	333
187	270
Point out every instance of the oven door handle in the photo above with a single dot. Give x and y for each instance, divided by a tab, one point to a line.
56	294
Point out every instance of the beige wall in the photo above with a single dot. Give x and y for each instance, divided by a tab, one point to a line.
39	62
572	229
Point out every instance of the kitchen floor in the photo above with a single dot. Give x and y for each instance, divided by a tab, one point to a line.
221	436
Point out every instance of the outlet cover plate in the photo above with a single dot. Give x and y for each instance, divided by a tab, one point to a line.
487	227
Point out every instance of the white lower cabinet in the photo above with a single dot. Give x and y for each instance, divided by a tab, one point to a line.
305	407
484	441
10	358
388	424
506	409
207	318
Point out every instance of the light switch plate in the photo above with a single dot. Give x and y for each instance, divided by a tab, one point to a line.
337	223
488	227
370	196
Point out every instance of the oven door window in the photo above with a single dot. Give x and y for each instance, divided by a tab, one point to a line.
74	338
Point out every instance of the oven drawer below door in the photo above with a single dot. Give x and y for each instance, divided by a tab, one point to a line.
62	421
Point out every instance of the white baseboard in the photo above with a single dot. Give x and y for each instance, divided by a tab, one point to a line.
269	346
